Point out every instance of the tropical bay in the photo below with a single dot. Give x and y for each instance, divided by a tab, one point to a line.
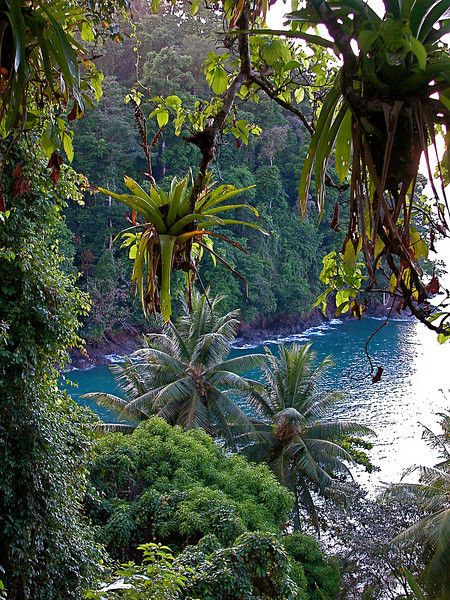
413	390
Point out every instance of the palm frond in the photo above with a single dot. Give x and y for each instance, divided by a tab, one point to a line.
328	449
241	364
210	349
335	429
109	401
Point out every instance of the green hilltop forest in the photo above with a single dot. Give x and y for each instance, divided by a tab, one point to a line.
155	161
107	147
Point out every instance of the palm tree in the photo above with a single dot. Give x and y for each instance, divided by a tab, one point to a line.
184	375
299	437
432	494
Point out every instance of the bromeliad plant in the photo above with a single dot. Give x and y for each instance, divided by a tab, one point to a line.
385	109
176	225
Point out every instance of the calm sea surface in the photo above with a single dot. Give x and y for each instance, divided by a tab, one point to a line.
414	388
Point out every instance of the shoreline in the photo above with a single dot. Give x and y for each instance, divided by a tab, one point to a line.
114	346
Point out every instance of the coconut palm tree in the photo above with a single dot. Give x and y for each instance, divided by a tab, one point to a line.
184	375
299	436
433	497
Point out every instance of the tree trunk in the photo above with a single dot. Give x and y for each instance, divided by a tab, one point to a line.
297	523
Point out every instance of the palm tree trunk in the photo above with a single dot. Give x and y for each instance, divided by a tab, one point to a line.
297	523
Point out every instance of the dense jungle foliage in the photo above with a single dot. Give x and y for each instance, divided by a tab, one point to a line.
75	499
107	147
44	440
221	515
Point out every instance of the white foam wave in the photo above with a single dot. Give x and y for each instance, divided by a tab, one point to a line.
335	322
317	330
395	319
323	327
241	346
87	368
296	337
114	358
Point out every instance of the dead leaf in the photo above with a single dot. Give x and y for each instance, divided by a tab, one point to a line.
54	164
376	378
20	186
433	286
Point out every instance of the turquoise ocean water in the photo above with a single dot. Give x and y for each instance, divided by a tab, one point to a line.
414	388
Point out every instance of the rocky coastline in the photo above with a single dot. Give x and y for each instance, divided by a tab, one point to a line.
114	345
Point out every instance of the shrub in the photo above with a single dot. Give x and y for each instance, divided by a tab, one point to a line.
162	483
322	573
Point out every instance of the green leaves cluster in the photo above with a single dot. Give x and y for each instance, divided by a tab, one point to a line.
157	578
343	277
161	112
215	72
178	487
256	565
220	514
173	221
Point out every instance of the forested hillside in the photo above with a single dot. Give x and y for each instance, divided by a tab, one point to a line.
107	147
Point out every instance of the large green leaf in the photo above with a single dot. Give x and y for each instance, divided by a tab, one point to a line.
301	35
177	204
219	80
178	227
167	243
18	28
419	12
418	594
138	204
64	53
324	149
439	12
218	195
321	129
137	190
344	147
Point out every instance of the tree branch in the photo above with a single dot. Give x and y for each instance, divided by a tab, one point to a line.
205	140
265	86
